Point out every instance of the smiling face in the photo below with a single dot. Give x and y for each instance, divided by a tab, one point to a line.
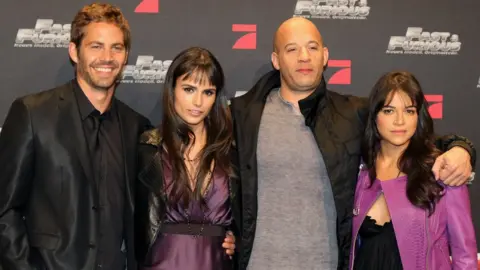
194	99
100	57
397	120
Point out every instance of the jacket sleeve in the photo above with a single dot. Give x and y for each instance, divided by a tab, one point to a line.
447	142
461	234
16	173
236	200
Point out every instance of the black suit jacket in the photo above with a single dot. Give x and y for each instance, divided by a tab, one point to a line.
48	194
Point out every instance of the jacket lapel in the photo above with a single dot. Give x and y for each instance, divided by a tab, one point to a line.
249	124
250	120
129	138
149	175
365	196
247	111
409	223
71	131
323	130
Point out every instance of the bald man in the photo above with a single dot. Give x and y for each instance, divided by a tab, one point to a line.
299	153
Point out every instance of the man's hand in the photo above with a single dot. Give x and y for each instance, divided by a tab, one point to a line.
453	167
229	244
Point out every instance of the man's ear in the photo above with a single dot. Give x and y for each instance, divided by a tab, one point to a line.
325	56
275	63
73	52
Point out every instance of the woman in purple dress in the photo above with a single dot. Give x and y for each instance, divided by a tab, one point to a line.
185	190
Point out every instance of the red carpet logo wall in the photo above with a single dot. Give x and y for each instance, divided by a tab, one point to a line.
339	72
343	71
249	40
148	6
45	34
146	70
433	40
332	9
417	41
435	107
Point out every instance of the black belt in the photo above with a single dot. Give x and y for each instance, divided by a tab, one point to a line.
193	229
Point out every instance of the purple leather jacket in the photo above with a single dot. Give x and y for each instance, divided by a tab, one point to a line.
423	241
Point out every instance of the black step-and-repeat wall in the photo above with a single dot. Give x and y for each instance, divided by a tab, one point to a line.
437	40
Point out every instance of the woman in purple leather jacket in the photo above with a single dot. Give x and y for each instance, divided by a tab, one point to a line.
403	217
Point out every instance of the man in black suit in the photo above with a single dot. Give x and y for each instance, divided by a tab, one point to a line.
67	160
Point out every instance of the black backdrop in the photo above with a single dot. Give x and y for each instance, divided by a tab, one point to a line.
437	40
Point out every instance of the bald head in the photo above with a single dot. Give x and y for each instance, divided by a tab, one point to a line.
299	55
293	26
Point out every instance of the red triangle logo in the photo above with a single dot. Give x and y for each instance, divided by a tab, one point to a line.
148	6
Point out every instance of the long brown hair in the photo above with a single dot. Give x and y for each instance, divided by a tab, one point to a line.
418	158
177	135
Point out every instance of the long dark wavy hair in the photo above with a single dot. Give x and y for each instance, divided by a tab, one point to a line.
200	64
418	158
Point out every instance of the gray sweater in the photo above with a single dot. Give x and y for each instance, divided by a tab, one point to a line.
296	224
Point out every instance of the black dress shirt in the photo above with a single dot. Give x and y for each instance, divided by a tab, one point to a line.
103	137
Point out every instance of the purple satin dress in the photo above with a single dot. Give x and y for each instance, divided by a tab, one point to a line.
188	252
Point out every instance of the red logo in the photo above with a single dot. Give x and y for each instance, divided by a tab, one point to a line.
436	106
343	75
148	6
247	41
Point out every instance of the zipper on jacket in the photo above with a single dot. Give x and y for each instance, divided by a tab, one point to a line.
363	219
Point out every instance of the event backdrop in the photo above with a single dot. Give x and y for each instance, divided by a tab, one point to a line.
437	40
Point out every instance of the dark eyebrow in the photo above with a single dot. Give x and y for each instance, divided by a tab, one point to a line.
194	87
393	107
189	85
95	42
103	44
